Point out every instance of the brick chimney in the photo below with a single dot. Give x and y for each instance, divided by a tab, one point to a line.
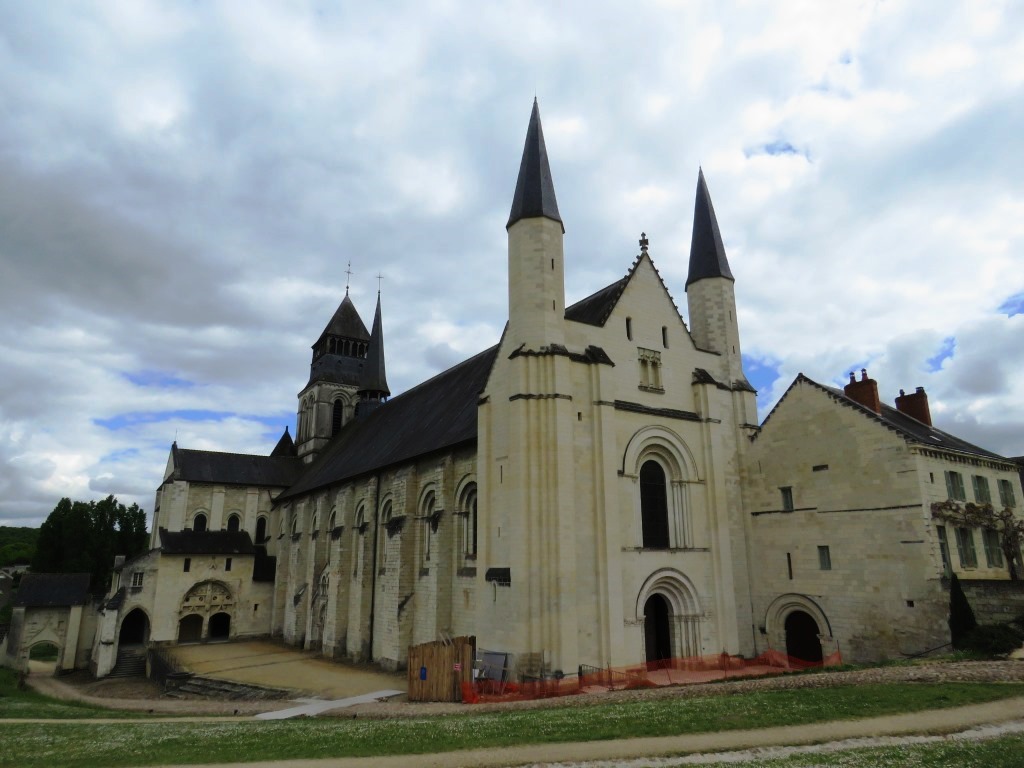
864	391
915	405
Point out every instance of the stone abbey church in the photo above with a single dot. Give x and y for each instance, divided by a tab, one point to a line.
594	489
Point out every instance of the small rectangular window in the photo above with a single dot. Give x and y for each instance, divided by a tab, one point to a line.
993	548
955	486
629	328
824	558
981	490
188	564
137	579
227	564
1006	498
819	468
787	498
789	565
664	336
965	548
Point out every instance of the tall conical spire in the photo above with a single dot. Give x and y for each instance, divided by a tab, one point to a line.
707	253
373	383
535	191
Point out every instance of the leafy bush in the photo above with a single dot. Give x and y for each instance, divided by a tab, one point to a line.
993	639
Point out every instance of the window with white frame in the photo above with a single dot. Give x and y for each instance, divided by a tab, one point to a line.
981	490
137	578
1006	498
965	548
955	486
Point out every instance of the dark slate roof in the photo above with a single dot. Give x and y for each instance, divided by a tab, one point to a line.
438	414
39	590
374	379
285	446
906	426
707	252
337	369
535	191
189	542
235	468
597	307
346	322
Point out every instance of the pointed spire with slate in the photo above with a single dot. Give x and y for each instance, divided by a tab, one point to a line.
707	253
285	446
535	191
373	384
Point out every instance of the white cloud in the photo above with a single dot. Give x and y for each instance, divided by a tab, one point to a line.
182	187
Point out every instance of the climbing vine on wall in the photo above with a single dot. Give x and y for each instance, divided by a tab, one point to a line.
969	515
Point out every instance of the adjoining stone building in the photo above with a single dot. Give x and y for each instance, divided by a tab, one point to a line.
594	489
51	609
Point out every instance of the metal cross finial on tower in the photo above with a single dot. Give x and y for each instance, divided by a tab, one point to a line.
379	278
644	242
348	279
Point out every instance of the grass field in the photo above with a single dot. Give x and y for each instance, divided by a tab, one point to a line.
138	743
28	703
1000	752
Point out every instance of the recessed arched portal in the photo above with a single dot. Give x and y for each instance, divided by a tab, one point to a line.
190	628
657	629
802	641
220	626
134	628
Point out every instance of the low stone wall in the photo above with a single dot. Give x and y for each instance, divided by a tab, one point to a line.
994	601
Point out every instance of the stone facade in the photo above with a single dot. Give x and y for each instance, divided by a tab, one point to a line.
594	490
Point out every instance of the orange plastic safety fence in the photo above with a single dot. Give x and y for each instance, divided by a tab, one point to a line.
678	671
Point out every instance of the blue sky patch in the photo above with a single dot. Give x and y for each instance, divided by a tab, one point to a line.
1013	305
160	379
761	373
945	352
124	420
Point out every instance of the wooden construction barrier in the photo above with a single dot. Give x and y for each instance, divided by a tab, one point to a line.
437	670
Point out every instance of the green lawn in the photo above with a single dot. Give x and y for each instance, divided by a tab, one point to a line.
1002	752
138	743
28	703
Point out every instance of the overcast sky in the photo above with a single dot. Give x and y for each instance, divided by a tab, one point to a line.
183	184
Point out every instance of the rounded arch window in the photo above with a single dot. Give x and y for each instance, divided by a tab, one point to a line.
468	513
654	505
234	522
337	416
261	529
199	522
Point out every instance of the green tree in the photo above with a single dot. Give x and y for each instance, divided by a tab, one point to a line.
84	537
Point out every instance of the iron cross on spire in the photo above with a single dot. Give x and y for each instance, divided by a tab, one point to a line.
379	278
348	280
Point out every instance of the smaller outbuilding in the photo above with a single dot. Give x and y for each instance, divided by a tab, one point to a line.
50	608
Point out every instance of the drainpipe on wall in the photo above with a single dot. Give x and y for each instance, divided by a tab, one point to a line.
373	572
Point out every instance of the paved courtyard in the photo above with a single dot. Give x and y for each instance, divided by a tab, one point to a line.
277	666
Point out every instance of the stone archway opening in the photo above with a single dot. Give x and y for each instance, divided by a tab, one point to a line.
657	630
134	629
802	637
220	626
190	628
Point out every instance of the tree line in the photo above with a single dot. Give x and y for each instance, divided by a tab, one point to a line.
85	536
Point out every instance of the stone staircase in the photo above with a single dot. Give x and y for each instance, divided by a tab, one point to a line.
223	690
131	662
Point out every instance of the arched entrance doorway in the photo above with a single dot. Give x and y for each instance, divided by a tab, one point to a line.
134	629
802	640
190	628
220	626
657	630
